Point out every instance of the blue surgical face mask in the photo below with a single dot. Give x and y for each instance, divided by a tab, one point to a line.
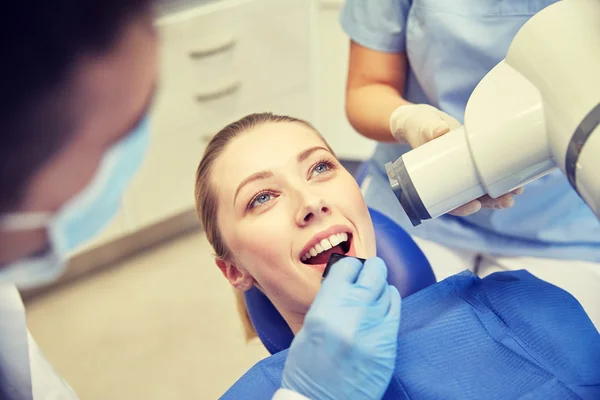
82	217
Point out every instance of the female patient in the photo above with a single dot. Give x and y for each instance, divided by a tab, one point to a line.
275	202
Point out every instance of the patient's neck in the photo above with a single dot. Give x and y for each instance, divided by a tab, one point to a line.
295	326
294	320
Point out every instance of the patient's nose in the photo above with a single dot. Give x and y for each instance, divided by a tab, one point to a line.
312	211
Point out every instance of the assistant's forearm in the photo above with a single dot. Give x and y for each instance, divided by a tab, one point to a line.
369	108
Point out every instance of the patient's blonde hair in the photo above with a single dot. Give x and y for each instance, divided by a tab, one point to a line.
206	199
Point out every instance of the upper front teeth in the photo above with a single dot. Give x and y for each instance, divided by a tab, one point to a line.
325	245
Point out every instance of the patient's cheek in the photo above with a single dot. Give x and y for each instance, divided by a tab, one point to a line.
264	252
262	258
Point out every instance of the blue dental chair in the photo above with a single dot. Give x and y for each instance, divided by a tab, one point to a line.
408	270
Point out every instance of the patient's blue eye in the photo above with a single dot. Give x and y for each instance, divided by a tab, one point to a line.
321	167
261	198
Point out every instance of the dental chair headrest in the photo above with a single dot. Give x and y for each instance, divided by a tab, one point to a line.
408	270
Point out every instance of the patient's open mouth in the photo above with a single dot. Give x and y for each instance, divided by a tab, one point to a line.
319	254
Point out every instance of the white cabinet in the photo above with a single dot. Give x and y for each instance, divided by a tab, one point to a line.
195	60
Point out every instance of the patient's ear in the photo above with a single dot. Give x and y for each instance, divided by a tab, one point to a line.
238	277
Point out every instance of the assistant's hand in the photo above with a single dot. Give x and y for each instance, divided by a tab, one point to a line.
417	124
347	346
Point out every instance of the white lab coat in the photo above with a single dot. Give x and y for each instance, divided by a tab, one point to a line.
26	372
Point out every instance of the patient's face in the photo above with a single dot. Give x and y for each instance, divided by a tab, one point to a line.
285	204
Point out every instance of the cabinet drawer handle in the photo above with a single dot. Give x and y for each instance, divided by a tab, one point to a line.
331	4
198	54
224	91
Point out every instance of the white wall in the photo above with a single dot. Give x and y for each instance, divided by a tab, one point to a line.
330	46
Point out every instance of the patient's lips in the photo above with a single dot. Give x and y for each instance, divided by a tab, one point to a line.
326	244
319	262
337	239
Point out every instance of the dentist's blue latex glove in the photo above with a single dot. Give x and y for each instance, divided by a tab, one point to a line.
347	346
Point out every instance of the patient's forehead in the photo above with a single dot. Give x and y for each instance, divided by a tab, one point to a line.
266	147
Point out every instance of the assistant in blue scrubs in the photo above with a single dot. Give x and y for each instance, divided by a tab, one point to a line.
435	52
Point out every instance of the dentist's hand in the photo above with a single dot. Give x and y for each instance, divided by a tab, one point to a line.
347	346
417	124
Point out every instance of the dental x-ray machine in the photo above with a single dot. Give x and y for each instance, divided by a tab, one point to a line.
537	110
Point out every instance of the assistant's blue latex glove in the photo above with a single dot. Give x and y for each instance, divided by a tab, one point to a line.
347	346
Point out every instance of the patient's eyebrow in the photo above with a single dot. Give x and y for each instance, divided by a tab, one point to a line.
306	153
254	177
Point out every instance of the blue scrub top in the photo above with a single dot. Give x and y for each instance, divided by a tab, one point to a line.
451	46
